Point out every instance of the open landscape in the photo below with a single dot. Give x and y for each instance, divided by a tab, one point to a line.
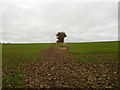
50	65
59	44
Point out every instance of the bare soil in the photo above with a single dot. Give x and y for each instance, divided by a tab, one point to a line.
57	69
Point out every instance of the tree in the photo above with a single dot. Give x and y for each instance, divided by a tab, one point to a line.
60	36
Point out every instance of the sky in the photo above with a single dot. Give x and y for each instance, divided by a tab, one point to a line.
35	21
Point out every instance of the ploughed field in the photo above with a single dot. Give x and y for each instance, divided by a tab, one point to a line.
83	65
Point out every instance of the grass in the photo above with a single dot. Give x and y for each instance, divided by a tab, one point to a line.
94	47
94	51
14	56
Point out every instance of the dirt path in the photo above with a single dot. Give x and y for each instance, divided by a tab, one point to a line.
57	69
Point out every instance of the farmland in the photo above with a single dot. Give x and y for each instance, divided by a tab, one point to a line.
15	56
89	52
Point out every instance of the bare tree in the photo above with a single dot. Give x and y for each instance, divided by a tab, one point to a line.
60	37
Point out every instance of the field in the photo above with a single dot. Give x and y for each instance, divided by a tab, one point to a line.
89	52
15	56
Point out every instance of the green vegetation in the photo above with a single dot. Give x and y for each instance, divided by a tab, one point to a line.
14	56
94	47
95	51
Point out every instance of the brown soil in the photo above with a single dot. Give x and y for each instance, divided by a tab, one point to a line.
57	69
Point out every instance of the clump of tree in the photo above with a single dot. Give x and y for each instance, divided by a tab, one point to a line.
60	36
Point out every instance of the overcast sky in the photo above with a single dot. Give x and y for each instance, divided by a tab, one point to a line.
35	21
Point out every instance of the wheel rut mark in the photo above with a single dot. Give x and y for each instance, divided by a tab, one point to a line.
57	69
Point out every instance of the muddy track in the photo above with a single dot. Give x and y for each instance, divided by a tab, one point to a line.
57	69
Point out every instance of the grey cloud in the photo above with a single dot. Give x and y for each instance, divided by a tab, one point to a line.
39	22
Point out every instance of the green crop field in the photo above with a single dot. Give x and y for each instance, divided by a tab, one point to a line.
14	56
94	51
94	47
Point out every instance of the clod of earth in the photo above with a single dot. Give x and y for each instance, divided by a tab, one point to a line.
58	69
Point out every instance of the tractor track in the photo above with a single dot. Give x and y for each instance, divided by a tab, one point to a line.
57	69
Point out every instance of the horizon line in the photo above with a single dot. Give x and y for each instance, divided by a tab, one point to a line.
65	42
